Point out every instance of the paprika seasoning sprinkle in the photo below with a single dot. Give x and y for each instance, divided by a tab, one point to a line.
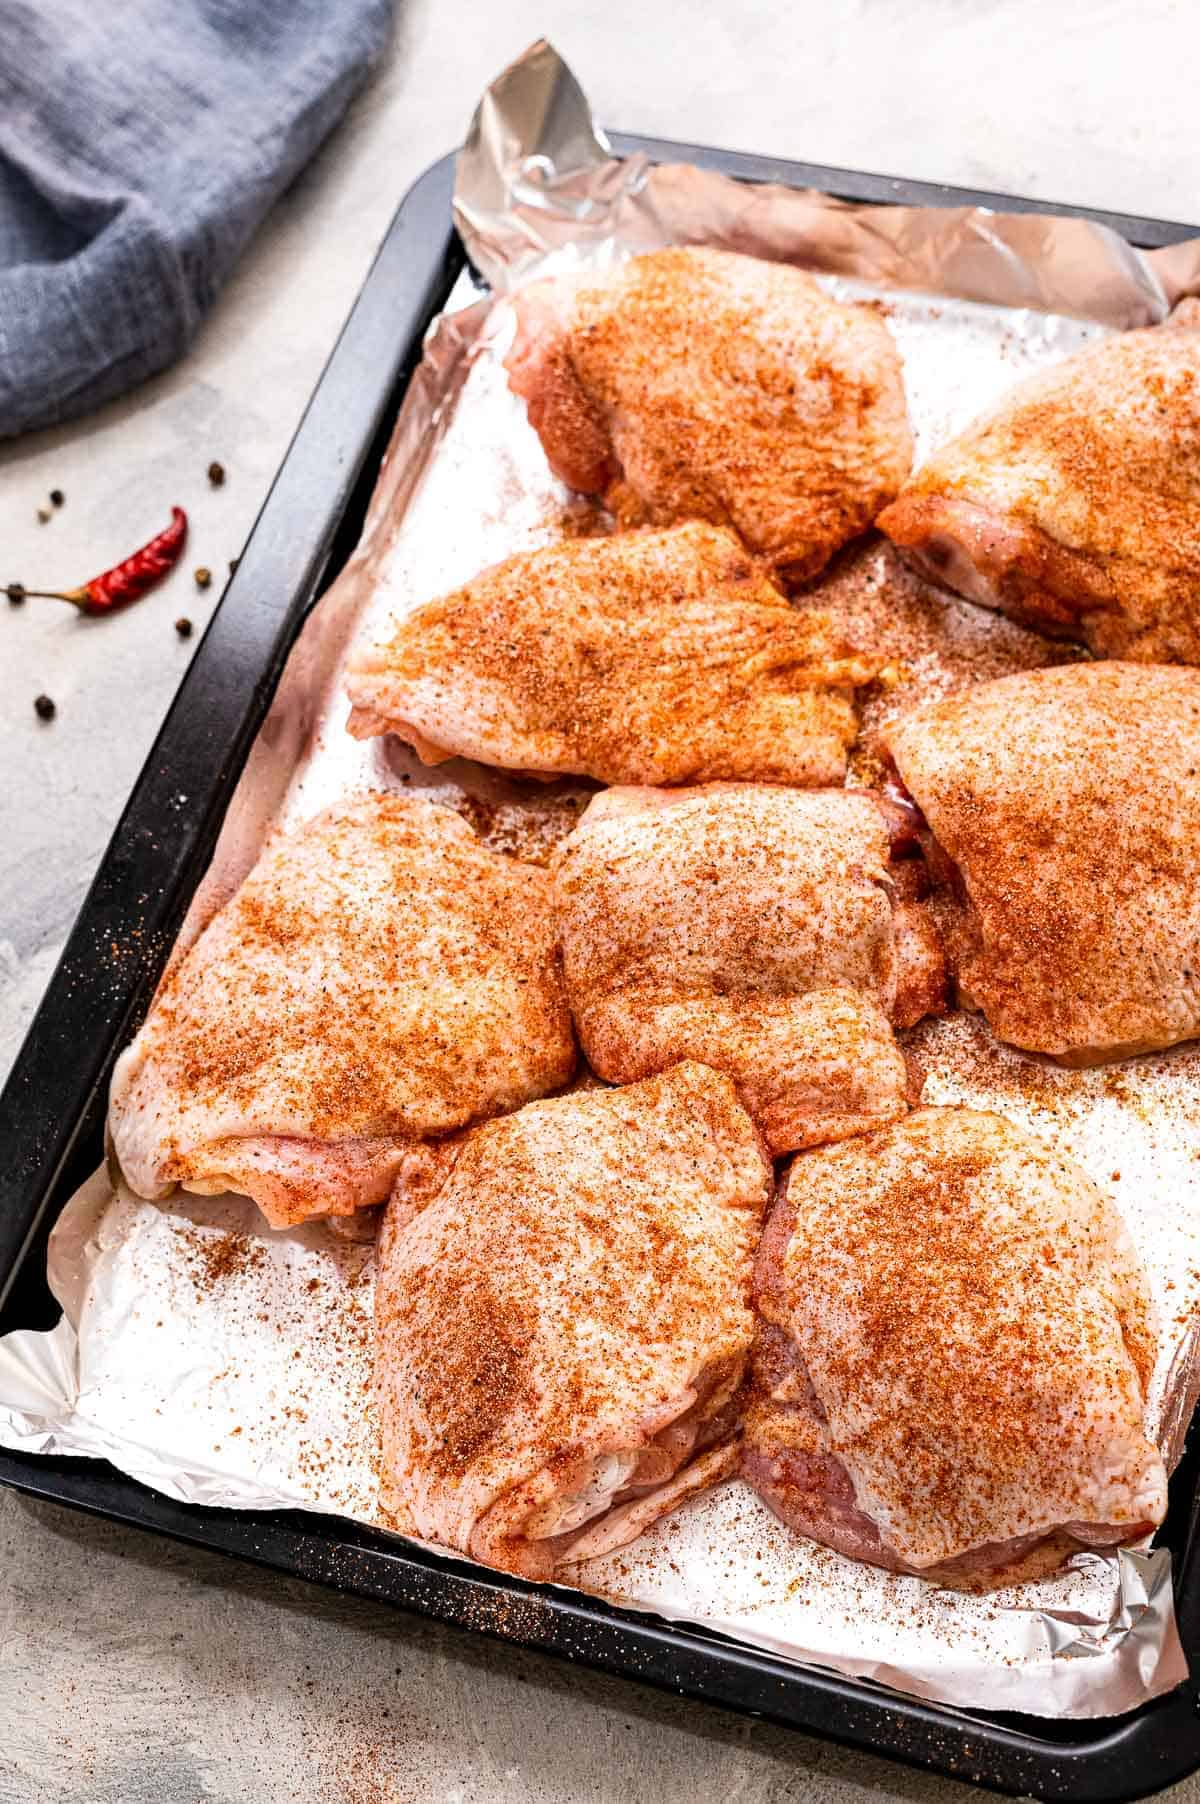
126	581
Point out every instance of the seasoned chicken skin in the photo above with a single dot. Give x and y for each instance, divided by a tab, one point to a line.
656	657
379	977
1063	812
764	931
956	1341
563	1326
1075	505
699	384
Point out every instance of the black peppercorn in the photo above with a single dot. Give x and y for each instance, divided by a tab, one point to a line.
44	708
16	593
183	627
56	497
216	474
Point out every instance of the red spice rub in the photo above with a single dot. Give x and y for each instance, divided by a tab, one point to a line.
1068	805
760	930
952	1379
378	978
1075	504
698	384
563	1325
649	657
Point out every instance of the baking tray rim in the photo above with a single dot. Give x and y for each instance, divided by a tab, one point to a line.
1104	1759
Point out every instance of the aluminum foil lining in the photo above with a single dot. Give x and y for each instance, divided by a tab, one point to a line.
539	190
226	1364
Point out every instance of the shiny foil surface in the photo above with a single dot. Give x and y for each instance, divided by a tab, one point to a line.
224	1363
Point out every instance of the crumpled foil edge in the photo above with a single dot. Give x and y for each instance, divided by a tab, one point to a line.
538	191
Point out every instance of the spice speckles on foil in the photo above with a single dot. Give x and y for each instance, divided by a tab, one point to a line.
226	1364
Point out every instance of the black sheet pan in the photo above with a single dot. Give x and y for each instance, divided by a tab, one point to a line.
51	1110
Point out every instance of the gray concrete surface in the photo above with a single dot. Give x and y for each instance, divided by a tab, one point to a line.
131	1670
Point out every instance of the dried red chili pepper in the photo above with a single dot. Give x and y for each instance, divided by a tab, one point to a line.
129	579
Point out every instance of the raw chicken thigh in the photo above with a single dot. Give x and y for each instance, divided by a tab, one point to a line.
563	1327
764	931
379	977
657	657
1075	505
955	1348
1063	819
698	384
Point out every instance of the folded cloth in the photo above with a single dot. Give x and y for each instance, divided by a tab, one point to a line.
140	145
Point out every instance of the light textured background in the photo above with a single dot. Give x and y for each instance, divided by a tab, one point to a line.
133	1671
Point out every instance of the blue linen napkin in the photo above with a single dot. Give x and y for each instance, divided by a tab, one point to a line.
141	143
